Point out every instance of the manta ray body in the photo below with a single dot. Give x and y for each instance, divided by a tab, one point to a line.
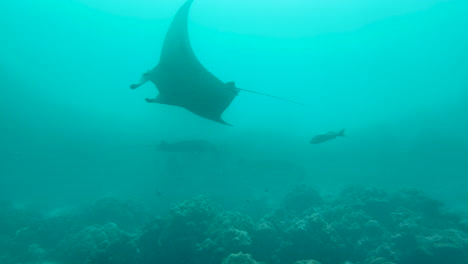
183	81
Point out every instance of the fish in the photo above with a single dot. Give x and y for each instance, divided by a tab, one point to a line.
320	138
187	146
183	81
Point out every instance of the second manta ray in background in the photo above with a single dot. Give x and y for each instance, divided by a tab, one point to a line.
190	146
183	81
326	137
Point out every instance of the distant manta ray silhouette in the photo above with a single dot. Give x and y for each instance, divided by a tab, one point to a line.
183	81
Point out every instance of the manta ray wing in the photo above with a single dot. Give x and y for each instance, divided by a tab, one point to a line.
183	80
177	50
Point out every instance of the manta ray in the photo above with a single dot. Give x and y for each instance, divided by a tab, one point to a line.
183	81
189	146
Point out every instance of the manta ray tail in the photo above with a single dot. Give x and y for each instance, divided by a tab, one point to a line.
270	96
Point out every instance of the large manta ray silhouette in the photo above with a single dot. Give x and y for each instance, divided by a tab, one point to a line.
183	81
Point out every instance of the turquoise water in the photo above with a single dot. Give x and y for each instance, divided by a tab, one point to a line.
392	73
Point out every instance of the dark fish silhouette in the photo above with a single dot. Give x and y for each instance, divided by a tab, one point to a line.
326	137
183	81
190	146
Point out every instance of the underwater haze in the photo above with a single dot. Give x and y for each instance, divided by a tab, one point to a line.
91	173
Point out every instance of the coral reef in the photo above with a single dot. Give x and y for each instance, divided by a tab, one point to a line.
359	226
239	258
106	244
127	214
